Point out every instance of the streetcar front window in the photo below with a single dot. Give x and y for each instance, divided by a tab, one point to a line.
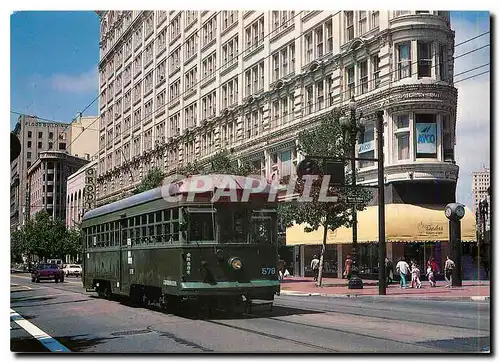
201	227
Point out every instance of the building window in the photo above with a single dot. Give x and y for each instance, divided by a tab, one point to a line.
174	90
349	25
51	135
29	164
254	34
230	52
137	92
138	37
160	132
363	76
253	123
174	124
118	84
403	136
229	18
40	134
136	144
175	27
254	79
160	102
229	93
39	144
404	60
424	59
118	108
282	20
191	17
366	147
362	22
148	111
29	134
29	144
137	65
149	25
448	141
443	63
376	71
209	30
282	111
351	83
190	113
308	39
29	155
137	118
127	75
401	13
175	60
375	19
148	55
208	65
148	83
191	79
161	42
127	101
190	46
208	104
126	126
62	146
160	72
148	139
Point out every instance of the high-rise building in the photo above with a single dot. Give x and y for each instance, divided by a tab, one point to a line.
77	138
176	86
480	185
35	137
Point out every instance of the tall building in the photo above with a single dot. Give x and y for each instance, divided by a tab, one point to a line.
176	86
78	138
35	137
480	185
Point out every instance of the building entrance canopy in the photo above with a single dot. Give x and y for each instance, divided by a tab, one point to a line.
403	223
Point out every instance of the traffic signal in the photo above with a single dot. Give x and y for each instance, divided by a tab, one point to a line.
307	166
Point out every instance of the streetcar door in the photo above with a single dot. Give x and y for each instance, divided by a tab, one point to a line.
122	255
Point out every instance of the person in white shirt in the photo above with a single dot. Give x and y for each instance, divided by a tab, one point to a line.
402	268
315	267
415	276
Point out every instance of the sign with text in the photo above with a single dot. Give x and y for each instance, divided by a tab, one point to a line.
90	192
426	138
366	147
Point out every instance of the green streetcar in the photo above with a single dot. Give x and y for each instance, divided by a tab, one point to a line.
219	253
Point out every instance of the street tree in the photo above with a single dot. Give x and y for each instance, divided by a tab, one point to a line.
153	179
327	139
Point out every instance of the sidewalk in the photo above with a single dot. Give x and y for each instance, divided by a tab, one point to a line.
470	290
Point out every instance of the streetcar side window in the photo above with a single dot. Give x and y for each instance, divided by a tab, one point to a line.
201	227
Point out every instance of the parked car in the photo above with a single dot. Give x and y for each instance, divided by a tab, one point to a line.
75	270
47	271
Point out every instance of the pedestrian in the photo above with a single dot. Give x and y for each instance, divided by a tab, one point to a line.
449	266
315	267
281	268
402	269
430	276
415	276
347	267
389	271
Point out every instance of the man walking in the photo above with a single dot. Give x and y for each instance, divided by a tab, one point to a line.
315	267
388	271
449	266
402	268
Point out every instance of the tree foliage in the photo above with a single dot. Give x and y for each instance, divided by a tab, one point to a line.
45	237
327	140
152	180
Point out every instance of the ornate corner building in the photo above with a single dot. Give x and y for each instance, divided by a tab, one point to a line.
177	86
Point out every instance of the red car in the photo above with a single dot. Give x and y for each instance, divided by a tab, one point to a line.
47	271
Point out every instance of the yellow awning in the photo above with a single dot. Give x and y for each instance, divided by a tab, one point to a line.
403	223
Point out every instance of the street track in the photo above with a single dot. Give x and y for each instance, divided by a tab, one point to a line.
261	318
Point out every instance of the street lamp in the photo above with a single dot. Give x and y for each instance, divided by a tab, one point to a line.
352	125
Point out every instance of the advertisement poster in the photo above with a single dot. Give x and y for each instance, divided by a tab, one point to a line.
426	138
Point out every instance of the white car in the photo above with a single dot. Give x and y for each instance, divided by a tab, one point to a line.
75	270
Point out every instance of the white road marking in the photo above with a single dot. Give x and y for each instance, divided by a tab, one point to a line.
65	281
37	333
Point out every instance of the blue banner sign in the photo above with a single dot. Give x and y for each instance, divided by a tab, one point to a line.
426	138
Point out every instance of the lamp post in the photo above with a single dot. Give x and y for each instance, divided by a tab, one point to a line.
352	126
484	246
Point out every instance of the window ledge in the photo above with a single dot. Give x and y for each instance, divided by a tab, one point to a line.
228	68
208	80
249	51
208	45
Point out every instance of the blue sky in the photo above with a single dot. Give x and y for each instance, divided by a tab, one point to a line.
54	57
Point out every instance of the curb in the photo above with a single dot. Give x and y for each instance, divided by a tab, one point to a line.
399	296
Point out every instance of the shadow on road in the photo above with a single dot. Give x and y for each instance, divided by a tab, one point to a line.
462	345
75	343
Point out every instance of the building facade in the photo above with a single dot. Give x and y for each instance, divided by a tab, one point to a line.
35	137
47	179
480	185
176	86
80	193
84	137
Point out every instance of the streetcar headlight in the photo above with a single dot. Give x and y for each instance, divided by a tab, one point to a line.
235	263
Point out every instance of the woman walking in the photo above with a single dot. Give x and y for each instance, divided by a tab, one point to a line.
415	276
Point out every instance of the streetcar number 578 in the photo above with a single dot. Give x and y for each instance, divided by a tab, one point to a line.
268	271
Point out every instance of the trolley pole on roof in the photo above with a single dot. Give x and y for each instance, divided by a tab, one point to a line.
382	278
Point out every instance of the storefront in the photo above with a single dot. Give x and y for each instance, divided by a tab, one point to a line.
415	232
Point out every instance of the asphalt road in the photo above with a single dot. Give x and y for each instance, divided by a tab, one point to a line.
80	322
